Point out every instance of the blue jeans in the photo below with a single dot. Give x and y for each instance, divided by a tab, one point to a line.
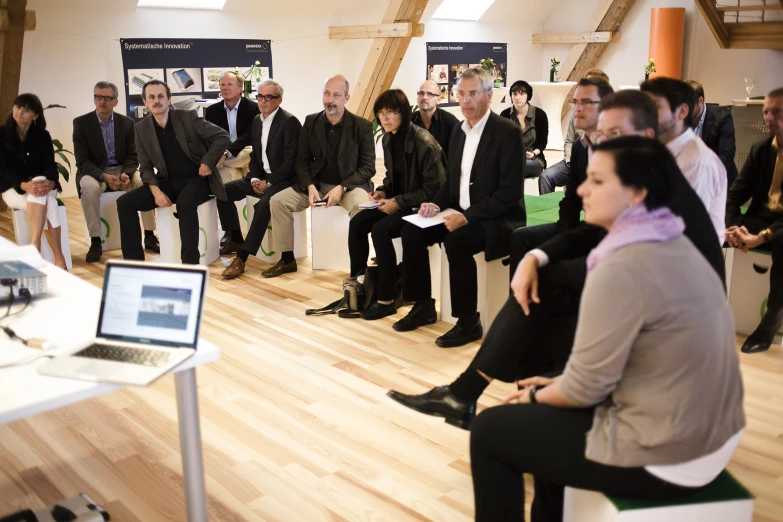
554	176
532	168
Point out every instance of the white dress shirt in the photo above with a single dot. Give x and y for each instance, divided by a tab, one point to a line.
706	174
472	138
266	125
231	114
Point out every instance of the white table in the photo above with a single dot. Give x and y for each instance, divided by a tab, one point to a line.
550	97
71	311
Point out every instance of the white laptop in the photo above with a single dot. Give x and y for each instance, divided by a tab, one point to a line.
149	323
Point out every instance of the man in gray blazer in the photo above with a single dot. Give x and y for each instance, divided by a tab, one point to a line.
184	149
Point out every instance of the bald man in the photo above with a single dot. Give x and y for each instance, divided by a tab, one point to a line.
432	118
335	163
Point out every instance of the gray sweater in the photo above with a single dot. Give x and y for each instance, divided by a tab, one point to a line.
655	351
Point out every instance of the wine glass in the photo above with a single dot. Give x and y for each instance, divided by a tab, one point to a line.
749	84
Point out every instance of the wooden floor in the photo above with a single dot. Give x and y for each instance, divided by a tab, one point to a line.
295	422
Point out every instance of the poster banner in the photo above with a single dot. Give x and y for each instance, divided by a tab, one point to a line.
447	60
190	67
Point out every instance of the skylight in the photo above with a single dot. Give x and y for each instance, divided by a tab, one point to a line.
217	5
470	10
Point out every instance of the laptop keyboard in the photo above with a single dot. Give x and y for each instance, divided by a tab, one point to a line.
126	354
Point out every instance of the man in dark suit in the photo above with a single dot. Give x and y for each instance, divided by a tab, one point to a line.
485	171
275	136
762	179
547	288
432	118
184	149
335	162
716	129
105	149
234	115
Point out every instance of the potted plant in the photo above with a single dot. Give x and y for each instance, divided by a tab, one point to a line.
649	68
553	68
488	64
60	159
255	75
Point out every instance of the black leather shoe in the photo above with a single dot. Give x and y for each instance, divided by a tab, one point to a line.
441	403
94	253
461	334
421	314
378	311
753	345
151	243
761	339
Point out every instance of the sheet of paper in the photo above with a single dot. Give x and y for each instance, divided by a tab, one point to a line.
426	222
26	254
369	204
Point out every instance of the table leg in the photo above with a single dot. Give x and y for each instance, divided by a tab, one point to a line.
190	445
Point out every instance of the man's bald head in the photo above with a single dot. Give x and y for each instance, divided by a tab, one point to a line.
428	97
337	81
335	96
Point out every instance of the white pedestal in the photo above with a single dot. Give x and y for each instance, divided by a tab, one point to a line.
329	237
435	264
748	289
265	253
110	222
493	289
23	236
209	237
550	97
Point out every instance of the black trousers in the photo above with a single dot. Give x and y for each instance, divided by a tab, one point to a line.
227	210
461	245
525	239
384	228
186	192
756	224
513	346
549	443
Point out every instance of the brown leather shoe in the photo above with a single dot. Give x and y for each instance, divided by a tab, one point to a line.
229	247
234	270
279	269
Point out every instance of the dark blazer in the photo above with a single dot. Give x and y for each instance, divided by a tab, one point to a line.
425	168
571	204
718	134
541	127
754	181
23	161
247	111
356	155
442	124
281	148
202	141
579	241
90	151
496	179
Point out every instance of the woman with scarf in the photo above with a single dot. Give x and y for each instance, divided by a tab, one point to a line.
29	179
650	403
534	124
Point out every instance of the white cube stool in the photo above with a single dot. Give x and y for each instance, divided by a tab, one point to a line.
209	237
110	222
265	253
435	264
329	237
493	289
726	500
23	236
748	289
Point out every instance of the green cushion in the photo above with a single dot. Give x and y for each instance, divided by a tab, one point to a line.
722	489
532	221
548	216
535	204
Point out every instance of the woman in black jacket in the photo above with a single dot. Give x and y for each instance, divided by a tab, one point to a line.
30	179
534	124
415	169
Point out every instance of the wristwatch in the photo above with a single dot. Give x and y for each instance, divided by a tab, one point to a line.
345	189
766	234
533	392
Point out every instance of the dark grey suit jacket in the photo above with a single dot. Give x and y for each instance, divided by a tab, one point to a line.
90	151
281	146
247	111
202	141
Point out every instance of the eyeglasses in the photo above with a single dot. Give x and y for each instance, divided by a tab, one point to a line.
384	113
472	95
267	97
584	103
98	97
428	94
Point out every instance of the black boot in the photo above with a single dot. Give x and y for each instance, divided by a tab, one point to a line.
439	402
761	339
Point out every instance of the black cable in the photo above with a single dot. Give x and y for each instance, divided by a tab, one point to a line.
23	292
12	335
9	283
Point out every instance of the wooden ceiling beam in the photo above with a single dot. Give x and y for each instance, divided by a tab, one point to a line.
740	8
714	21
355	32
16	20
575	38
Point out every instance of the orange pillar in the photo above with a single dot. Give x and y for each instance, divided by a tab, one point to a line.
667	36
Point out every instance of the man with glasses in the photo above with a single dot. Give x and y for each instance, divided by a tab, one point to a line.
335	163
105	149
432	118
274	138
699	164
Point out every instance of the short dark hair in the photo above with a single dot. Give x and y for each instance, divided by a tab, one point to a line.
32	102
698	89
644	113
644	163
604	89
776	93
521	86
394	100
676	92
155	82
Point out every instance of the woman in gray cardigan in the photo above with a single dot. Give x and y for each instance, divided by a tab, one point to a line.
650	402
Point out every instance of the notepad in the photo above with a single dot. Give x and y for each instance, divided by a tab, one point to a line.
426	222
370	204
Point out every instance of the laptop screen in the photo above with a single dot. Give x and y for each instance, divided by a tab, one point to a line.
151	304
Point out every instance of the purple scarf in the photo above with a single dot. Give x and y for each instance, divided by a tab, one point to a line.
637	225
